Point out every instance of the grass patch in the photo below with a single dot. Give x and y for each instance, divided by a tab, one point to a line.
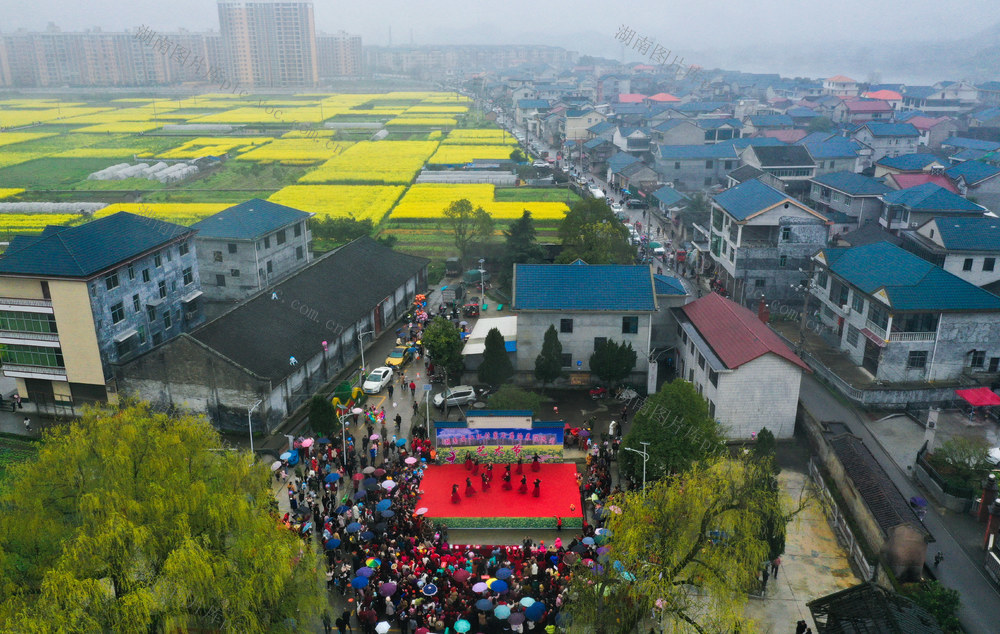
535	194
14	450
52	173
206	196
242	176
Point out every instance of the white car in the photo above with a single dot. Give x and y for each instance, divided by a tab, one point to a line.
377	380
616	207
458	395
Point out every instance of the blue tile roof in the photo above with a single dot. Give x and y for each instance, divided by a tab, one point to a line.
89	248
930	197
908	162
700	106
972	144
248	220
575	112
748	198
526	104
801	112
697	152
668	195
892	129
836	147
770	120
910	282
670	124
602	127
969	234
586	287
972	171
919	92
968	155
758	141
712	124
853	184
986	115
817	137
908	114
593	143
666	285
620	160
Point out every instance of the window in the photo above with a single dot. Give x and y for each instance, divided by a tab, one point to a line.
782	260
599	341
567	360
280	236
877	315
124	347
117	313
759	283
217	256
822	278
136	306
158	260
131	272
157	338
183	248
677	165
232	247
298	230
267	242
142	334
713	377
234	272
17	321
701	361
166	320
917	359
711	409
162	286
858	302
299	254
220	280
565	325
269	267
786	233
32	355
188	276
708	165
151	314
111	281
691	375
145	275
967	265
978	358
989	264
708	181
729	165
630	325
853	335
170	255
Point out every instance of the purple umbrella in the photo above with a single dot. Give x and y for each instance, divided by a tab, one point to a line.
480	587
388	589
365	572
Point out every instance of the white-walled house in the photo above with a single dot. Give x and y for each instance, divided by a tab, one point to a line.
965	247
748	375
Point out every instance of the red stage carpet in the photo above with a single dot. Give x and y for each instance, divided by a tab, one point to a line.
497	508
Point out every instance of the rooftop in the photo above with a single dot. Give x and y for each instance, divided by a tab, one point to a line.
972	144
583	287
249	220
771	120
892	129
930	197
668	196
969	234
666	285
973	171
852	184
841	79
783	156
909	162
907	181
750	198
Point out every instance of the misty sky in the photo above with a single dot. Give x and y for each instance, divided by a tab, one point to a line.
586	26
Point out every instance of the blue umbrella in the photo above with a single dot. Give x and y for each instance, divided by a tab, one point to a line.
498	586
387	513
368	482
359	582
324	441
285	456
501	611
535	611
332	543
353	527
430	590
504	573
360	495
383	505
365	572
367	535
588	541
333	477
400	442
484	604
340	509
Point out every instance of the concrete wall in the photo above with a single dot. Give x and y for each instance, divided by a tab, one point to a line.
687	133
987	194
955	264
887	146
664	326
688	175
77	336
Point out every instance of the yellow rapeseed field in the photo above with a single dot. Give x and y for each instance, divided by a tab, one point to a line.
479	136
121	126
428	200
359	201
295	151
10	138
33	223
375	162
7	192
457	154
212	146
444	122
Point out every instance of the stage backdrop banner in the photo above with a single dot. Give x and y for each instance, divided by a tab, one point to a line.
499	445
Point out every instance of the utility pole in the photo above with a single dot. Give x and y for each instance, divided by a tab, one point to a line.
250	422
806	288
645	456
361	345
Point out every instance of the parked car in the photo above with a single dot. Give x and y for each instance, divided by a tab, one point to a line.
617	207
458	395
377	379
399	357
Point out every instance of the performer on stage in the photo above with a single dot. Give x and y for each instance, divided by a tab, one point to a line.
455	498
520	465
469	491
536	464
506	479
524	485
537	490
468	462
475	466
486	482
489	471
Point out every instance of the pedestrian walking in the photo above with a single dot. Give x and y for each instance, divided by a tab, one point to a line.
413	390
800	627
17	401
416	408
27	424
764	575
774	567
390	389
399	422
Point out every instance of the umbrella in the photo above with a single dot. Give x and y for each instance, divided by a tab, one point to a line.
383	505
535	611
365	572
374	437
366	536
308	442
373	562
388	589
368	470
462	626
379	473
340	509
333	477
498	586
358	477
570	558
332	543
382	627
388	485
588	541
579	549
381	527
461	575
604	531
286	455
603	550
516	618
410	460
421	510
359	582
369	482
527	602
353	527
422	630
360	494
400	442
357	410
480	587
324	441
430	590
387	513
307	526
918	501
275	465
504	573
484	604
584	433
501	611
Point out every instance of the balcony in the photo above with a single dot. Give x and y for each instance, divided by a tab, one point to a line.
876	329
15	370
912	336
44	339
26	305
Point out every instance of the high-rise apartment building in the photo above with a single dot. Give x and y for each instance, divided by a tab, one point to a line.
339	55
269	43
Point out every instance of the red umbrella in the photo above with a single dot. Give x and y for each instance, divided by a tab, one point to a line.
461	575
358	477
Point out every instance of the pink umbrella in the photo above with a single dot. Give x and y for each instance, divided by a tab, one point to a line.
410	460
374	437
421	510
357	410
388	485
307	442
480	587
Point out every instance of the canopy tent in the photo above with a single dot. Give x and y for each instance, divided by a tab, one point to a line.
979	397
476	343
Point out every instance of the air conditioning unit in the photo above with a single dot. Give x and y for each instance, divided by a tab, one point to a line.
845	308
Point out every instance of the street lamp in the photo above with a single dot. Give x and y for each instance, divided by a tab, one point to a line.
250	422
361	345
645	456
482	277
343	437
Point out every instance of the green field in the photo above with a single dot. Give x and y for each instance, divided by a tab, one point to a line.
52	173
14	450
536	194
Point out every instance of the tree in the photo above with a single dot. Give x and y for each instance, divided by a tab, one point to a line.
548	363
520	247
590	232
613	362
323	416
773	526
444	344
496	367
130	520
942	603
687	549
512	397
676	423
518	156
819	124
467	225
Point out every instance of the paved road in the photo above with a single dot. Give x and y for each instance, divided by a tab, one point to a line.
980	600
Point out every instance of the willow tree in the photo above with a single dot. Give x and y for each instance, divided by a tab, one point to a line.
688	550
130	520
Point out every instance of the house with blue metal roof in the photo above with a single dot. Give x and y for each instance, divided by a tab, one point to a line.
579	121
669	200
911	207
918	163
855	195
966	247
757	123
887	139
586	304
679	132
903	319
76	301
760	238
249	246
963	143
977	180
